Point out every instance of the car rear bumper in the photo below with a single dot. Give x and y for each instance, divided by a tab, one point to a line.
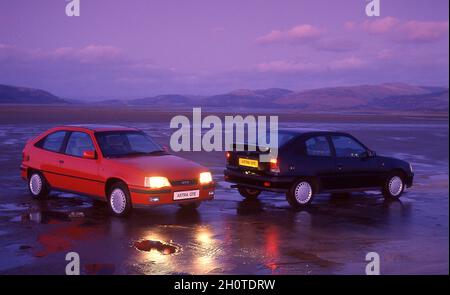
141	197
261	182
24	172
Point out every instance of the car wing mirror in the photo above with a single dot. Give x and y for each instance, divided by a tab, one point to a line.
89	155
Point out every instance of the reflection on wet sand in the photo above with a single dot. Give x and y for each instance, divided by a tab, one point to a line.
234	236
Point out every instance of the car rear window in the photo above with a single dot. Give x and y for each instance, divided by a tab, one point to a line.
53	142
283	138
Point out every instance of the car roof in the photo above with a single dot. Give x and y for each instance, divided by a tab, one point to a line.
100	127
309	132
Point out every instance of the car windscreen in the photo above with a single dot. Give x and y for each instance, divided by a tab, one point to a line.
126	143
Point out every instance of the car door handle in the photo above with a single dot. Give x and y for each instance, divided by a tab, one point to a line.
340	167
61	161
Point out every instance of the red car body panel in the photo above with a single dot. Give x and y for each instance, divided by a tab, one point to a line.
91	176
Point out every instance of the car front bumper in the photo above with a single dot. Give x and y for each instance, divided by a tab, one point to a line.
147	197
409	180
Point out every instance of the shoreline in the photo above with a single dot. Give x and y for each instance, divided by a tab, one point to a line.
16	114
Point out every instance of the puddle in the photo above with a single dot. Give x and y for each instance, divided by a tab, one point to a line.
163	248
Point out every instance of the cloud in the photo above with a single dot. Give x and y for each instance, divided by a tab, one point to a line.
419	31
336	45
407	31
286	66
386	54
380	26
89	54
349	63
273	37
303	32
87	71
295	67
300	33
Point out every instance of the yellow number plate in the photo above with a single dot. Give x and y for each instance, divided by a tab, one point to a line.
248	163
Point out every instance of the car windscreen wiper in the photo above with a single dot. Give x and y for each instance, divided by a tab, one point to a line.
145	153
130	154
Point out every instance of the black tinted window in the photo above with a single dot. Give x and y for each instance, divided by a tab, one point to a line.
78	143
54	141
347	147
318	146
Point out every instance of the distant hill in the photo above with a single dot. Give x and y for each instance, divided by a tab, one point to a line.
389	96
392	96
23	95
248	98
162	100
237	98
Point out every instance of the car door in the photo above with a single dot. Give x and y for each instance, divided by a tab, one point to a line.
316	160
81	174
355	167
49	156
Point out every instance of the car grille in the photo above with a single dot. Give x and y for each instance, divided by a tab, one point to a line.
184	182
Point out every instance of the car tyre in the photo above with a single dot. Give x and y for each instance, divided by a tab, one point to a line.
119	200
190	206
38	186
249	193
394	186
300	195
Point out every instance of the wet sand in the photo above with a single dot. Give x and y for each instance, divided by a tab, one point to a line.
229	235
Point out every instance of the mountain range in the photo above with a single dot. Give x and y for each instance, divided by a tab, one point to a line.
25	95
388	96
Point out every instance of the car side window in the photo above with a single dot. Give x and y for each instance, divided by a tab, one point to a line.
53	142
347	147
78	143
318	146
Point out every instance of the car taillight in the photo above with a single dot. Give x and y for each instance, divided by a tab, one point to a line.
228	155
274	166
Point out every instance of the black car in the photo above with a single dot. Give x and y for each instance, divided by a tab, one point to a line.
316	162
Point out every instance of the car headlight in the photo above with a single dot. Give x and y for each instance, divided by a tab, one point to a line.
411	168
156	182
205	178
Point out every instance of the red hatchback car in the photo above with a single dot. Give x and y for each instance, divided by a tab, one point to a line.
120	165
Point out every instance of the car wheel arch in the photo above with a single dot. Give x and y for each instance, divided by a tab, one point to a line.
30	171
110	182
399	171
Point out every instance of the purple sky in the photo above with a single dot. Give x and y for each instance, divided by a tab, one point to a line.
128	49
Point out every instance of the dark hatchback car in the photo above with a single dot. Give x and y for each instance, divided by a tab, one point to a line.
316	162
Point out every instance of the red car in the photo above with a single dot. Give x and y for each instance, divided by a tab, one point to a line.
120	165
